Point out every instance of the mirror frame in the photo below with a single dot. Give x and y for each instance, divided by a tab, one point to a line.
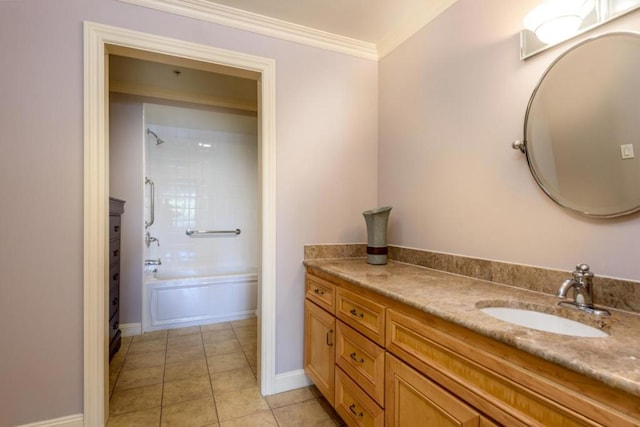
524	145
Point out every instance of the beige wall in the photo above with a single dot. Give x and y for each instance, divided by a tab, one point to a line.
452	99
326	152
126	156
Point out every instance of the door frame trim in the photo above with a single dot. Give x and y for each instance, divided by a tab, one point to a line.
97	39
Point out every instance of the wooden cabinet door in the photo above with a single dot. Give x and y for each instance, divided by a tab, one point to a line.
413	400
319	349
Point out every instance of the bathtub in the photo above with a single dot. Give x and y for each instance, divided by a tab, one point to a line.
180	298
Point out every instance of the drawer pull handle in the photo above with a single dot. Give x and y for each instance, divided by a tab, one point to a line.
116	228
355	358
329	340
115	276
318	291
352	408
116	252
355	313
115	326
115	301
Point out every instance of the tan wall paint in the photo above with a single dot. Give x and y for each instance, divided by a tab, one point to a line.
326	120
452	99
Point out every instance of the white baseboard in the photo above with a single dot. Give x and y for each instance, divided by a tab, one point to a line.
290	381
69	421
130	329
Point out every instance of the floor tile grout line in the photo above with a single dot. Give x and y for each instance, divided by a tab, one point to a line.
164	370
239	330
206	362
124	359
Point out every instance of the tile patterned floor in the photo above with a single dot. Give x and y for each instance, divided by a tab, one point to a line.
203	376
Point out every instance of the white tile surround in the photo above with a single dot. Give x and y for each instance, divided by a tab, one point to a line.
206	178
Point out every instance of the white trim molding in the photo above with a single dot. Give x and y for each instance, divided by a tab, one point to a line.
130	329
98	39
291	381
69	421
209	11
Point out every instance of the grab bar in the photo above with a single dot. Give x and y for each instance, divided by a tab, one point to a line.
198	232
152	191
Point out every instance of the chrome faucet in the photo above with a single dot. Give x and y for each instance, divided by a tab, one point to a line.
152	262
148	240
582	285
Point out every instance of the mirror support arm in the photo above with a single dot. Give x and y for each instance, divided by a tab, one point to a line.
519	145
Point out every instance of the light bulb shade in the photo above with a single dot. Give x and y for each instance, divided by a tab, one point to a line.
557	20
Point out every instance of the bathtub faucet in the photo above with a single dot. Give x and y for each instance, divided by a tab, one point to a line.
148	240
152	262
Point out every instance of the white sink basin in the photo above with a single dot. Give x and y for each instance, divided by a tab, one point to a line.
543	322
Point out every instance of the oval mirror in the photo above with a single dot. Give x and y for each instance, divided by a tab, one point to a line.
582	127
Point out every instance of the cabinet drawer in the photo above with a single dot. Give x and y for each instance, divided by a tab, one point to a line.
362	314
321	292
506	392
355	407
114	227
362	360
414	400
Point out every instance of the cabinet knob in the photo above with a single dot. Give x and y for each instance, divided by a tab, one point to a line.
329	338
116	252
355	313
355	358
115	326
318	291
116	228
115	301
352	408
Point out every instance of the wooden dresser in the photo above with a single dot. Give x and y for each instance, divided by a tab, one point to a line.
116	209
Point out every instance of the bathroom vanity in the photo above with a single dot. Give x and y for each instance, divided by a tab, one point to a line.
397	345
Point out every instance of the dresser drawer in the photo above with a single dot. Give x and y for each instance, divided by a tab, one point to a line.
114	300
114	227
114	325
362	360
322	292
114	276
355	407
362	314
114	251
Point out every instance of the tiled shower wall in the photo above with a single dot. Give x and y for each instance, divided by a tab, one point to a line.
206	178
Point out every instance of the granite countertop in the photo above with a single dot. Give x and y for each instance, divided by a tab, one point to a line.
613	360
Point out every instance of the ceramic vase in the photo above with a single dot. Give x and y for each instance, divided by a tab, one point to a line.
377	220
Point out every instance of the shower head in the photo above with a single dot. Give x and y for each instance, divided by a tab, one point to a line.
158	140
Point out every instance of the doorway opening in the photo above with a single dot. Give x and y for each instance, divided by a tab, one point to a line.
100	42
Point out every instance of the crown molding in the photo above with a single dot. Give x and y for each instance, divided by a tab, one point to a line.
236	18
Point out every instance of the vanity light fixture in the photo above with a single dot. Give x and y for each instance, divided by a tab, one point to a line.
555	21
